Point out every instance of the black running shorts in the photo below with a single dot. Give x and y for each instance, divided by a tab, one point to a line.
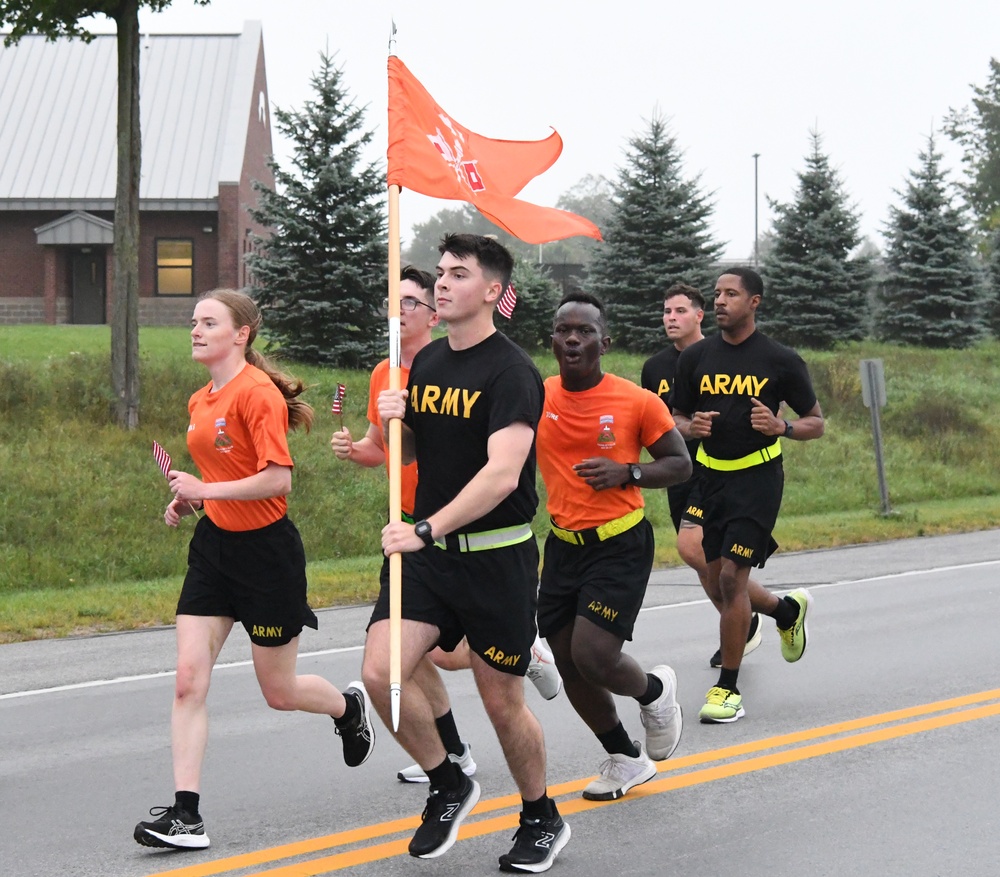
257	577
604	582
741	509
489	597
693	509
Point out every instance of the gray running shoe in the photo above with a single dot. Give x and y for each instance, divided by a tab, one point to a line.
663	719
542	671
619	773
415	773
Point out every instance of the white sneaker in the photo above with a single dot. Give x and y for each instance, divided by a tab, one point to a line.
619	774
415	773
542	670
663	719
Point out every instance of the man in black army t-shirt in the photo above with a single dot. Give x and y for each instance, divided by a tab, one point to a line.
470	562
727	392
683	311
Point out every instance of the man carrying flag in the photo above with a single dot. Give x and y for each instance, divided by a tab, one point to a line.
470	562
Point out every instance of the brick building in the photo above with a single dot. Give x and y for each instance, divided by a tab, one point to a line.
206	135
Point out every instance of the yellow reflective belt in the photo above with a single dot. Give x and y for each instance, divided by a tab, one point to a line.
484	541
605	531
771	452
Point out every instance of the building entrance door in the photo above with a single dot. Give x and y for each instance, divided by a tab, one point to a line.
88	287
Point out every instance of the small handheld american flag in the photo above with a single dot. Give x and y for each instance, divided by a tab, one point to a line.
162	458
507	301
163	461
337	408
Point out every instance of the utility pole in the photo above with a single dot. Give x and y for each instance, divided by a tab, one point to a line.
756	240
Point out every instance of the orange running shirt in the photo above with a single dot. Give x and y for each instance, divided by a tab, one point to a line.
615	419
378	383
234	434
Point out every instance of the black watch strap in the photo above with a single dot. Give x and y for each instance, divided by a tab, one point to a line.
423	530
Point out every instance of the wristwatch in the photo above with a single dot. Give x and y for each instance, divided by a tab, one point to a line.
634	475
423	530
788	430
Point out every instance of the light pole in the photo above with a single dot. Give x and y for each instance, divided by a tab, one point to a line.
756	244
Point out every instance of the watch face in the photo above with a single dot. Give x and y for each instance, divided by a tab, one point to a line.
636	473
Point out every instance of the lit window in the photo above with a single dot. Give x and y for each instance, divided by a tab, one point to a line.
174	267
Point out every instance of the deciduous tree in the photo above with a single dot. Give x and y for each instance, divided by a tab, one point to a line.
977	129
62	18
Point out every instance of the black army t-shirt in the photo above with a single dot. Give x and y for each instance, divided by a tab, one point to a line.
714	375
458	399
658	377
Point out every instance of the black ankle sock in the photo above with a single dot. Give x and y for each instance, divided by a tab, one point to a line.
449	734
446	775
617	740
543	808
654	688
351	711
785	612
727	679
187	801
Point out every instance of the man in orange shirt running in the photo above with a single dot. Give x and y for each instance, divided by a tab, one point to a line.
599	553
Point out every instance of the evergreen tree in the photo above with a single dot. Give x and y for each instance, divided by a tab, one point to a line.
816	293
993	285
321	276
658	234
537	296
931	296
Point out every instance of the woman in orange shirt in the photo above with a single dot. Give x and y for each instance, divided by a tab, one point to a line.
245	562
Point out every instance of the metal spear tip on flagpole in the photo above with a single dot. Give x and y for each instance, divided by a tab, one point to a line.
392	36
395	692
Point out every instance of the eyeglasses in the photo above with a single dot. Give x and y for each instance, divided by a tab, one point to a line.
408	304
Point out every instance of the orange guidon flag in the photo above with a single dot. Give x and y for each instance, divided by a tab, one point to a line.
431	153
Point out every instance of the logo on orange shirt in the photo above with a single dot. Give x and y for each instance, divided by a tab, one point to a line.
606	438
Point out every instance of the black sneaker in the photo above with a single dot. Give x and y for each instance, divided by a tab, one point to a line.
536	844
172	828
445	810
753	640
358	735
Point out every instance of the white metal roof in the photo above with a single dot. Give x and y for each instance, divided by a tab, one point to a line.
58	124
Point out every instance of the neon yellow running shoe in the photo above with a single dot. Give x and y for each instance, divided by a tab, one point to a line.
793	640
721	707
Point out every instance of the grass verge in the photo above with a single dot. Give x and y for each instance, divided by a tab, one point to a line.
59	612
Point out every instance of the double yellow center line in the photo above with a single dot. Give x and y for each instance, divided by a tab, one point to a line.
679	773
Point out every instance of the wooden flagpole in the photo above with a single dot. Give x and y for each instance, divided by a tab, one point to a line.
395	468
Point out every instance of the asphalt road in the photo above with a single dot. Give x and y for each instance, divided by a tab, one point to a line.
874	755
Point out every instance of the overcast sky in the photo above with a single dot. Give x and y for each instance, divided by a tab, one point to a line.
732	78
